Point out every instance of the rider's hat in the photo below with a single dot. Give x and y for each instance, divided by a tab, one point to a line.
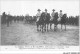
45	9
60	10
38	10
53	10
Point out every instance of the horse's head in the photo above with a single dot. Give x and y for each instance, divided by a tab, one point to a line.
43	14
64	15
56	13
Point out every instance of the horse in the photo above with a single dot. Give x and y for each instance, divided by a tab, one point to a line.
54	21
40	23
63	21
47	21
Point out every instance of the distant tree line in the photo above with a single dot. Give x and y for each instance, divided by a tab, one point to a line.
73	20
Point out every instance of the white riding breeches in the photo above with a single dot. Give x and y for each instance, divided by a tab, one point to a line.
59	19
37	19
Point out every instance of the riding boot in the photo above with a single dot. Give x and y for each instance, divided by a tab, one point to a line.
61	26
50	26
65	27
40	27
37	28
47	28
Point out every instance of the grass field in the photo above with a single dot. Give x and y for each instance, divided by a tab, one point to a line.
26	34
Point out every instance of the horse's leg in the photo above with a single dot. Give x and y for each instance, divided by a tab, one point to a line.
61	26
65	27
37	27
54	27
50	25
40	27
47	27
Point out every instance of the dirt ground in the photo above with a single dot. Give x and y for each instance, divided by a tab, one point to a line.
26	34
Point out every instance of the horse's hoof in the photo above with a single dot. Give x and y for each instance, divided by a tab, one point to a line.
42	32
37	30
54	30
45	29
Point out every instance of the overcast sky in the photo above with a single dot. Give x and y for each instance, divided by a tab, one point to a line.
30	7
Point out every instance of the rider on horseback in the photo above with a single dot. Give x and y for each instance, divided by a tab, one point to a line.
38	19
60	15
52	15
38	15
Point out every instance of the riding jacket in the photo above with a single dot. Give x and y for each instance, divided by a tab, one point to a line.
52	15
38	15
60	16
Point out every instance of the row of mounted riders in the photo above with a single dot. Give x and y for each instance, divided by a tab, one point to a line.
43	23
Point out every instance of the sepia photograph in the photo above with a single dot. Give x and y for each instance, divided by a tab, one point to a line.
39	22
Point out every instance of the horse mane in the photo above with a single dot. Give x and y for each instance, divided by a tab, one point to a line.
64	16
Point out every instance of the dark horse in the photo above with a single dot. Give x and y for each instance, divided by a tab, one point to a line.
63	20
40	24
54	21
47	21
43	22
